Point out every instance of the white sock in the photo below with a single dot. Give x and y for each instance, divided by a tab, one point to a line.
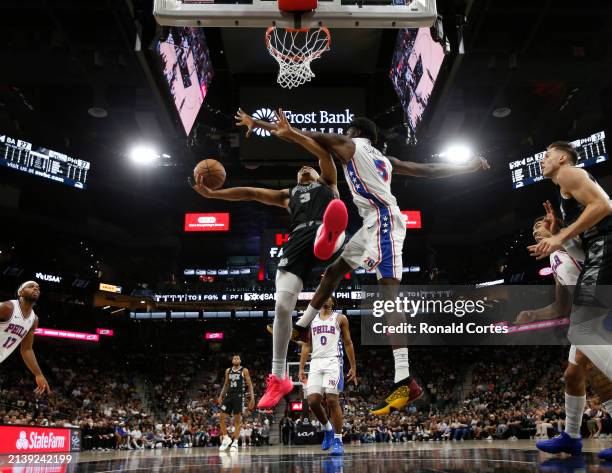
309	314
574	408
328	426
608	406
401	364
281	333
338	436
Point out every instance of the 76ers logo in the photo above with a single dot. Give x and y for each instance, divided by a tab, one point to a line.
369	263
382	169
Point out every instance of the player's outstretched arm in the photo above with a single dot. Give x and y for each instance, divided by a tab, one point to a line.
304	354
29	358
6	311
342	146
436	170
319	144
244	119
284	130
247	379
350	349
575	182
339	144
225	386
561	307
279	198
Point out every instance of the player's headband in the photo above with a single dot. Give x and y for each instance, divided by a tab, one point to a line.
24	285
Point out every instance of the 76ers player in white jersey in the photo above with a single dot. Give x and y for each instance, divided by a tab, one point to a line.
17	324
378	244
566	264
329	337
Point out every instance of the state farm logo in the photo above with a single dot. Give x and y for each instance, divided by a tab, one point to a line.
39	441
207	219
267	115
22	443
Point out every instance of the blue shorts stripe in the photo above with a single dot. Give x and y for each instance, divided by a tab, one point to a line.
387	257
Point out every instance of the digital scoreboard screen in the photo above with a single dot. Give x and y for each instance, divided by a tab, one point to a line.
42	162
591	150
187	69
416	63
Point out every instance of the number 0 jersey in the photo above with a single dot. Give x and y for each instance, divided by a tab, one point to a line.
326	338
14	330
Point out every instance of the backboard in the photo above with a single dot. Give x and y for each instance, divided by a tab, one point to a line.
265	13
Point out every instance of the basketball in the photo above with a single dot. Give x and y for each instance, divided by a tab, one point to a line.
212	173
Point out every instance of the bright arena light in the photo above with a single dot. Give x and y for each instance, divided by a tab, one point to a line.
457	154
144	154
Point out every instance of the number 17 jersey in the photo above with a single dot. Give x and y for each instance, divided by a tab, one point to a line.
14	330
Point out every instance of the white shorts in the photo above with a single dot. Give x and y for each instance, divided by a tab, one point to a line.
599	355
326	375
378	244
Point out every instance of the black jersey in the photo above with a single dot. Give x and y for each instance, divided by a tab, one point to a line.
236	382
571	209
308	203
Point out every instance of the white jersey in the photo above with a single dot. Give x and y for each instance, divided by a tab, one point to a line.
326	338
369	176
13	331
566	268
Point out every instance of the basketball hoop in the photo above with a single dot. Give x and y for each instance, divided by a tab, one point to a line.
294	49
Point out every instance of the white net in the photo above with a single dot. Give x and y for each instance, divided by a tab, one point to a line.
294	50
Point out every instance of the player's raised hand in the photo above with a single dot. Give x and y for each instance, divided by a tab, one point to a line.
352	376
546	247
42	385
303	377
524	317
479	164
199	187
550	221
283	127
244	119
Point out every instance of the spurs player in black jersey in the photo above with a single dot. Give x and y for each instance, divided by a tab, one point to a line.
17	324
318	221
587	213
231	400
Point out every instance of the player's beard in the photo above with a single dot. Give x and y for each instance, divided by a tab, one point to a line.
30	299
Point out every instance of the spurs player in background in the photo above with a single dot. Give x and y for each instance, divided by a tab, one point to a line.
587	213
329	337
566	264
378	244
318	221
17	324
231	401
